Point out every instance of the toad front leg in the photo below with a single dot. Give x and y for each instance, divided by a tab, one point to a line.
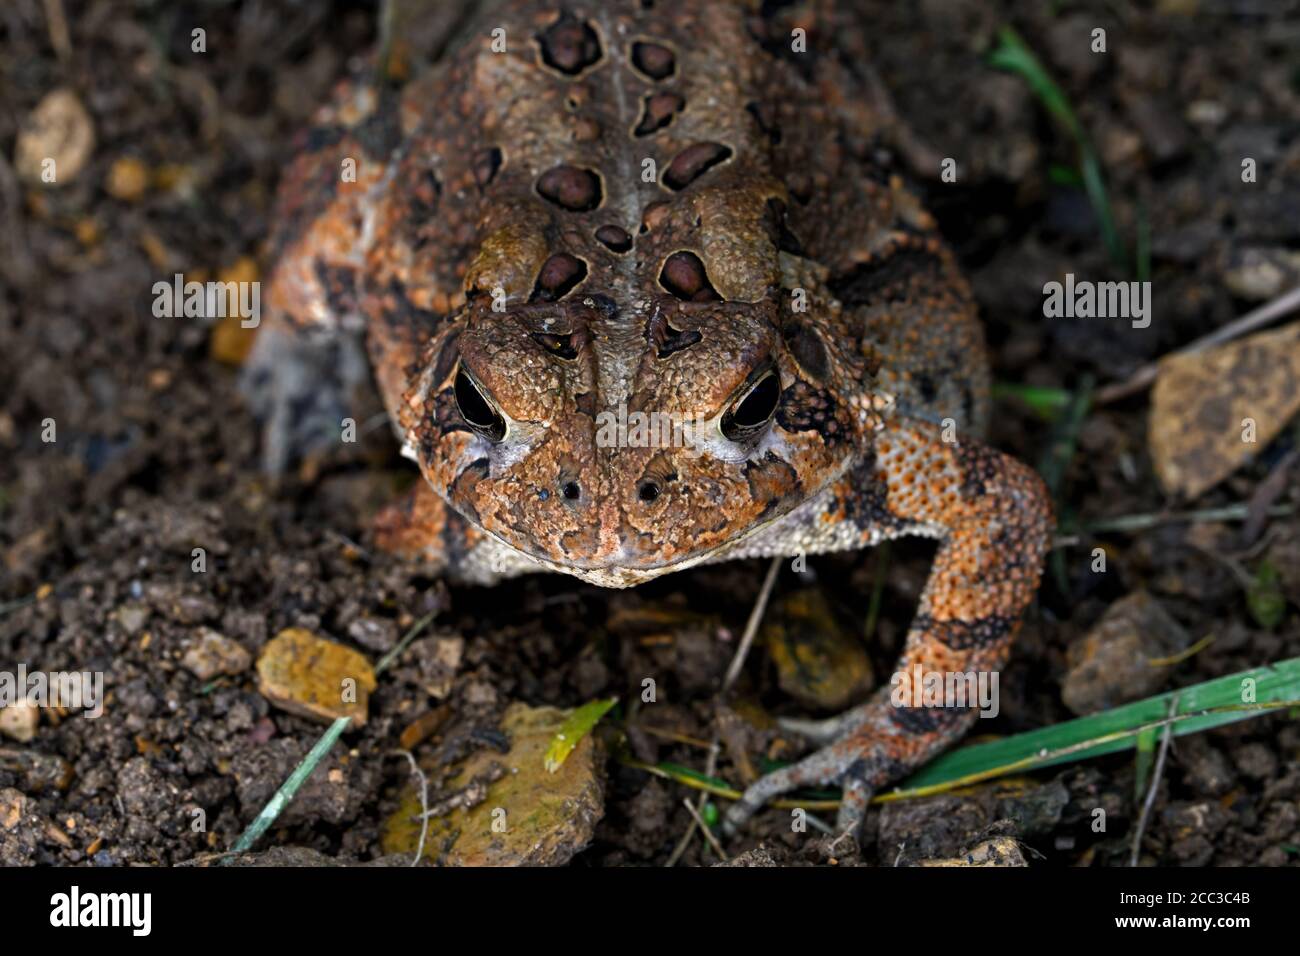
994	518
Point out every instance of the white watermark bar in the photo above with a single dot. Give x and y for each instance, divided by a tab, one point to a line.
208	300
74	690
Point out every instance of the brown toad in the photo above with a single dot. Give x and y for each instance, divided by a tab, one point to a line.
640	290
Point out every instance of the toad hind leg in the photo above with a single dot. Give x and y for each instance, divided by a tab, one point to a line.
308	366
993	516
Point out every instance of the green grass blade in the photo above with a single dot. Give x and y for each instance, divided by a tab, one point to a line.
1013	55
1046	403
1094	183
1214	703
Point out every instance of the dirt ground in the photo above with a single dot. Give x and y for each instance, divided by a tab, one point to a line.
156	454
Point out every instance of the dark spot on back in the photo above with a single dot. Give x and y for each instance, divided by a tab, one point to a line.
569	45
655	61
693	162
560	274
684	276
658	112
570	187
614	238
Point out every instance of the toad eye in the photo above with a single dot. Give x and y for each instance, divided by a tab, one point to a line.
477	409
751	413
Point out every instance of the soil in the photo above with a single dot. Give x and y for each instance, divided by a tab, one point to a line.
156	454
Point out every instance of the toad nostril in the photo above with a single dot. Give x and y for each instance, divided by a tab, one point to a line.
648	491
572	491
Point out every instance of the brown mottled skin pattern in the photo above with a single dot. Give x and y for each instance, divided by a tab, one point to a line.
515	268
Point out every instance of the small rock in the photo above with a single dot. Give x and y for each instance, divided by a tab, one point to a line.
58	129
128	178
211	653
1258	273
13	805
1111	664
132	618
315	678
817	662
374	633
527	816
18	721
999	851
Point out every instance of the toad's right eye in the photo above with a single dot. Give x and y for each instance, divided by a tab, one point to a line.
478	410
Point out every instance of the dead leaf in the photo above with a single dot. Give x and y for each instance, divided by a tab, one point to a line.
528	817
1206	407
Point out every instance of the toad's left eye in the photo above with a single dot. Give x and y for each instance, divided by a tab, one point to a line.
751	412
